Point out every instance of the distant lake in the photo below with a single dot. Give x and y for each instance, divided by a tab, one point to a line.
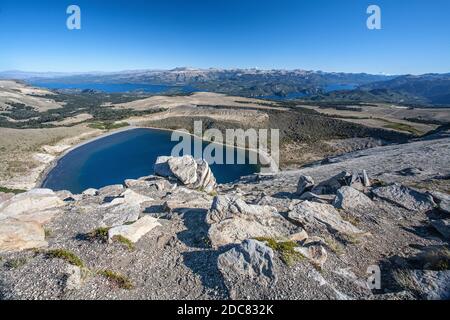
116	87
125	155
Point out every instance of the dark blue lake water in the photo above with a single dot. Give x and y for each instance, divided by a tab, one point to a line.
124	155
116	87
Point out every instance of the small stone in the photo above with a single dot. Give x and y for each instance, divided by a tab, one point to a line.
73	277
90	192
305	184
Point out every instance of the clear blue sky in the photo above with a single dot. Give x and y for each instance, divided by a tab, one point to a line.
329	35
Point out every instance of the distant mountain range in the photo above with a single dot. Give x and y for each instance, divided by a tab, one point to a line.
427	89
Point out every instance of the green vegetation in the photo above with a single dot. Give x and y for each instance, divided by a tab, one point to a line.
286	249
70	257
73	104
15	263
100	234
334	246
108	125
125	241
48	233
15	191
402	127
120	280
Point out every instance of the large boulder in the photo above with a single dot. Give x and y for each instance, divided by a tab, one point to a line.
20	235
136	230
251	260
319	216
305	184
119	214
195	174
205	178
31	201
232	221
184	169
405	197
348	198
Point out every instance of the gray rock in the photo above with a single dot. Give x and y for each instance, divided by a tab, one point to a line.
332	185
31	201
317	216
20	235
134	231
90	192
405	197
120	214
225	207
366	180
232	221
314	253
194	174
161	166
184	169
206	180
442	226
320	198
442	199
252	260
305	184
432	285
111	191
5	196
348	198
73	278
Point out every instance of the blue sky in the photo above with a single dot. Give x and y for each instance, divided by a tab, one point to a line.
329	35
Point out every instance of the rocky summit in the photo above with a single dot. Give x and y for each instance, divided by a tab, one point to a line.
313	233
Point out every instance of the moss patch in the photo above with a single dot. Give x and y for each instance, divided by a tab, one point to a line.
70	257
286	249
120	280
124	241
100	234
15	263
15	191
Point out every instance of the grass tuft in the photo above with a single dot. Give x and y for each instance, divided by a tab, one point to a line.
70	257
125	241
100	234
15	263
8	190
120	280
286	249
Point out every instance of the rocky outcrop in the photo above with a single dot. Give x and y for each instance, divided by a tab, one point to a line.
31	201
187	171
136	230
431	285
251	260
22	218
348	198
19	235
405	197
318	216
232	221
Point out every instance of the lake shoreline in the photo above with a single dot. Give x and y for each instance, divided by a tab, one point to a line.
51	165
